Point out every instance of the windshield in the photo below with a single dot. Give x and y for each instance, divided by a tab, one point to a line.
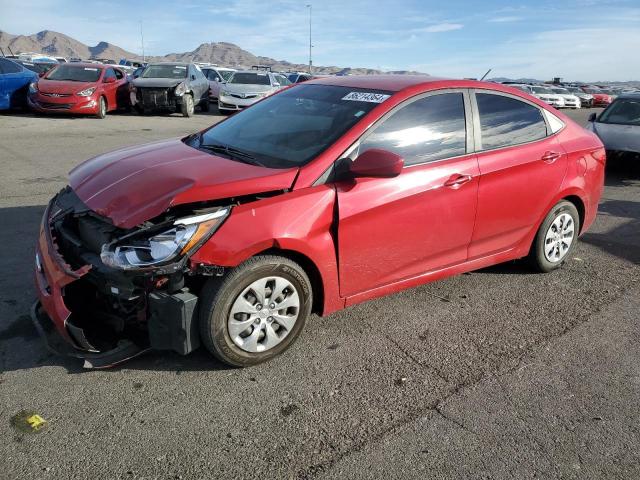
248	78
225	74
624	111
540	90
292	77
74	73
291	128
165	71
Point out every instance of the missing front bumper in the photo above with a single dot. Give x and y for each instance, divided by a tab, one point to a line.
56	344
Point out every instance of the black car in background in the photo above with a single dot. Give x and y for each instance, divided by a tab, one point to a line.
170	87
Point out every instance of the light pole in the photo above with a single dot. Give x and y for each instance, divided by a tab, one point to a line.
142	40
310	7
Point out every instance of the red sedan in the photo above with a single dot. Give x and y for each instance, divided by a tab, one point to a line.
329	193
600	98
80	88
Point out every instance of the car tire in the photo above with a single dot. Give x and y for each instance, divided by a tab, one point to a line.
102	108
225	112
556	238
139	110
220	328
204	105
187	106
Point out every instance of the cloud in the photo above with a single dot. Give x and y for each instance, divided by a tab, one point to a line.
442	27
505	19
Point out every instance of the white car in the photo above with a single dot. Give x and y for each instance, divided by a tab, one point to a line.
570	100
217	76
547	96
246	87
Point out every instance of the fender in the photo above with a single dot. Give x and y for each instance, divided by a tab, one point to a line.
304	227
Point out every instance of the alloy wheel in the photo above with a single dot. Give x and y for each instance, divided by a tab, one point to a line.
263	314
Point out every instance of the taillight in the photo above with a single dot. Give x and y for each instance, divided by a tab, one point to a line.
599	155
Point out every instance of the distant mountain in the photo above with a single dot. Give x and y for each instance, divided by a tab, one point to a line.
221	53
60	45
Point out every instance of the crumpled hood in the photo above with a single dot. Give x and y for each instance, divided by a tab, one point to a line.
624	138
158	82
136	184
246	88
64	87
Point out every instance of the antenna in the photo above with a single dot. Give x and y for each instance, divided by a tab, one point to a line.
310	7
485	75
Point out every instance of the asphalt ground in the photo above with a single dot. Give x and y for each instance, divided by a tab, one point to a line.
500	373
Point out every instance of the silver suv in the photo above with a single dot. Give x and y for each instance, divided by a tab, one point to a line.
246	87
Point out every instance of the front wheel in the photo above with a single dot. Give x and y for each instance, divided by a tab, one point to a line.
256	311
102	108
187	105
556	237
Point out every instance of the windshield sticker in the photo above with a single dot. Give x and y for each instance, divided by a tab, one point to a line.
359	114
366	97
87	69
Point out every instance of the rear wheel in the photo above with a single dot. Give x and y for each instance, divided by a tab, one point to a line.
256	311
187	105
556	237
102	108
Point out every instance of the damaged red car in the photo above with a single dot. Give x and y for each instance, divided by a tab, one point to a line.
329	193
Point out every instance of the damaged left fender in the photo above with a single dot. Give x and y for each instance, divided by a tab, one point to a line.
305	226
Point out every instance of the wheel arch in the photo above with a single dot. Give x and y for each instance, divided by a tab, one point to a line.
580	206
310	268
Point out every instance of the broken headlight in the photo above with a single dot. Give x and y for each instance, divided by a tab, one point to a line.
181	88
152	248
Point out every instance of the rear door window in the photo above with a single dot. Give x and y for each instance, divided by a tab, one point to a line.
7	66
506	121
429	129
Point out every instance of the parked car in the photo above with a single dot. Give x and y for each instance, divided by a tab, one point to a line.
321	196
600	98
586	99
172	87
80	88
14	83
618	126
297	77
39	68
246	87
217	76
570	100
547	96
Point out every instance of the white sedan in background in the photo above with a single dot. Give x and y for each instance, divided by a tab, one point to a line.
547	96
244	88
216	76
570	100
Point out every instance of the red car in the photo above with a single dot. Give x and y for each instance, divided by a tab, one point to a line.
600	98
80	88
329	193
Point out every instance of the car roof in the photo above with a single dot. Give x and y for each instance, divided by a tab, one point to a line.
632	95
397	82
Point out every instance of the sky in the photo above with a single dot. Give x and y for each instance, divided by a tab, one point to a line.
585	40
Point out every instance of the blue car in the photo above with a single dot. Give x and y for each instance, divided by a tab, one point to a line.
14	83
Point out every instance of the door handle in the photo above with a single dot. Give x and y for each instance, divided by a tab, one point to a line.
550	157
457	180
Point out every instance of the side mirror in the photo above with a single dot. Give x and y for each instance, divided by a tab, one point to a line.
592	117
110	80
217	79
41	74
276	84
377	163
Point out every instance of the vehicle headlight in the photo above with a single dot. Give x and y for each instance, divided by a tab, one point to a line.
153	248
181	88
33	87
87	92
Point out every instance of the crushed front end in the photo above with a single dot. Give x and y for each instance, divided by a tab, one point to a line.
107	294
